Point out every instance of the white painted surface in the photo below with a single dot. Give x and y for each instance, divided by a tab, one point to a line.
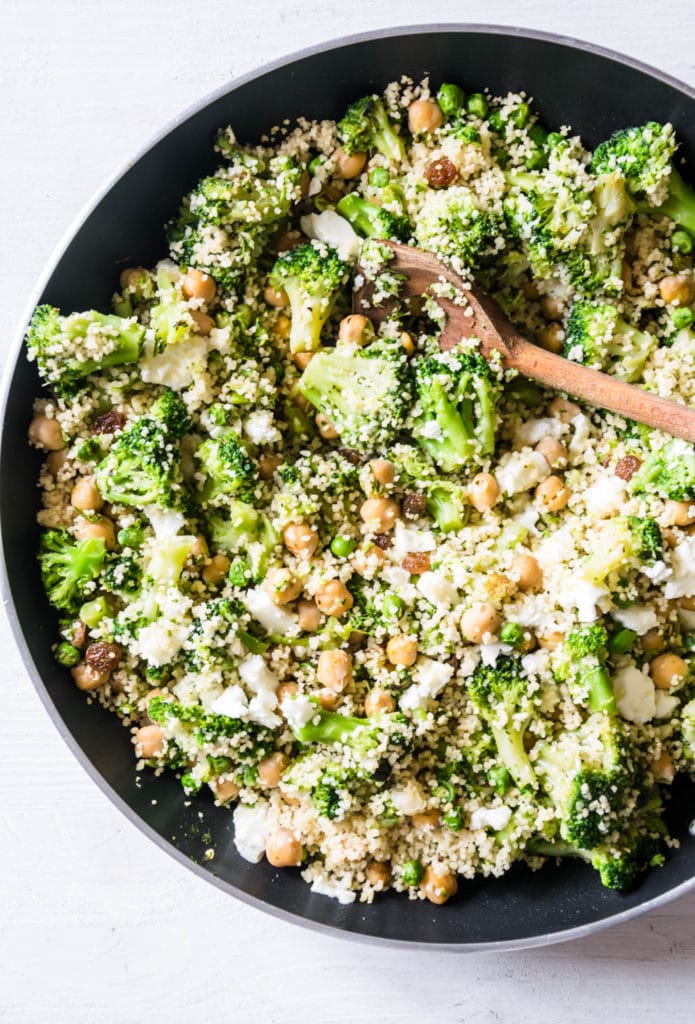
96	924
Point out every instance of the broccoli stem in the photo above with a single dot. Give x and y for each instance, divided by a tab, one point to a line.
680	204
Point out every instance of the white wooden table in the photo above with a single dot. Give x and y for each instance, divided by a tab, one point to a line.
96	923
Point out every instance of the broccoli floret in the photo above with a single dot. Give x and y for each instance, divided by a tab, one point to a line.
362	734
455	418
363	392
170	410
242	528
585	653
248	742
122	575
212	631
171	317
58	344
373	221
597	336
596	263
644	155
227	221
142	466
226	465
668	472
312	278
499	693
332	793
366	126
646	538
587	774
69	567
451	225
447	500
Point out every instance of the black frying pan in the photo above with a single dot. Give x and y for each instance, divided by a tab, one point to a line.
592	90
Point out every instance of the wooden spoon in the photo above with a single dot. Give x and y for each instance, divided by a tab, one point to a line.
491	327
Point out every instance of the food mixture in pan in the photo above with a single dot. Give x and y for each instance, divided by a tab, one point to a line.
409	616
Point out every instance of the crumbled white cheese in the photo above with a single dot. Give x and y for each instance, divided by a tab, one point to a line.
166	522
682	582
489	653
659	572
639	617
407	539
635	695
520	471
536	663
161	641
530	432
323	886
430	677
232	702
583	596
263	684
408	798
251	830
582	431
431	430
605	496
666	704
490	817
260	428
331	228
437	589
178	365
270	616
299	710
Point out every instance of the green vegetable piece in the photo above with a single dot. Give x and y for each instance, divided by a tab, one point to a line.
341	547
67	654
412	872
451	99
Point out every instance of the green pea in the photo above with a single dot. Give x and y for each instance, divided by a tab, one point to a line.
682	317
499	778
218	414
453	819
538	134
512	633
520	115
130	537
239	572
496	121
451	99
681	241
392	606
445	792
622	641
477	105
468	133
67	654
536	161
412	872
554	140
379	177
341	547
93	611
315	164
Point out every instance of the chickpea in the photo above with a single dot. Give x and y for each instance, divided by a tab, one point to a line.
402	650
302	359
526	572
530	289
216	570
289	689
688	603
283	850
334	670
378	873
366	562
282	587
270	770
424	116
653	641
87	677
102	528
484	491
553	494
275	297
149	741
551	641
663	768
480	621
226	790
676	288
383	471
378	702
553	451
131	275
199	550
85	495
551	338
308	616
300	539
328	699
564	409
380	514
197	285
355	329
203	322
407	343
679	513
349	165
281	328
325	427
551	307
56	461
45	432
426	819
668	670
438	886
333	598
267	465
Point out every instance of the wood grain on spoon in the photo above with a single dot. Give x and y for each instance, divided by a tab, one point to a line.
491	327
